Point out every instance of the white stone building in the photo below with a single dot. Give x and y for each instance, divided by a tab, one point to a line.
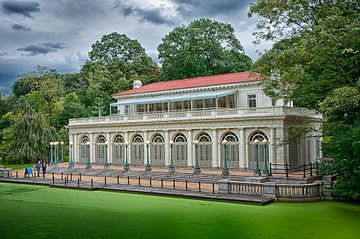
168	117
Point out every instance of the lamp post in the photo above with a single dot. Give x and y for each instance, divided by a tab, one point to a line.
56	152
51	153
106	164
126	165
257	170
71	162
266	168
171	166
147	166
88	164
62	151
197	169
225	170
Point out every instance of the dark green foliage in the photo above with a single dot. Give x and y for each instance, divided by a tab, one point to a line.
204	47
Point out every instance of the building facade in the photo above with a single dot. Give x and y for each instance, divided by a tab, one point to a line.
192	121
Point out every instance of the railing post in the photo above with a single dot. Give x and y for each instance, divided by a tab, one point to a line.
317	168
128	179
78	182
311	173
17	174
213	187
304	170
139	181
105	181
199	186
92	183
62	176
286	170
173	183
70	176
53	178
150	182
186	186
80	176
162	182
270	170
118	179
65	181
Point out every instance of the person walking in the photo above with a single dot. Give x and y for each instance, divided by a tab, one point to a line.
44	168
38	166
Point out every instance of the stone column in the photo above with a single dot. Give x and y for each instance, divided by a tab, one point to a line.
145	147
280	149
242	149
127	139
272	146
109	147
190	155
75	147
92	147
167	150
215	144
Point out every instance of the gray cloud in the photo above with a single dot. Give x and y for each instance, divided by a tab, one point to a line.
43	48
20	7
20	27
152	15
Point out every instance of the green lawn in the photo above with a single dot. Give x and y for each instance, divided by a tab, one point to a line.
28	211
16	166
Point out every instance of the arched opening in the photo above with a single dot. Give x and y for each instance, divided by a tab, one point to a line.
157	150
259	135
84	149
118	150
204	150
137	150
179	151
232	150
100	150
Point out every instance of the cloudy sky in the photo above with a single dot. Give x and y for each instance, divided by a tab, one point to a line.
58	34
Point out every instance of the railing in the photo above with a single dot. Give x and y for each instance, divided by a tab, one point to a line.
246	188
303	170
298	190
207	113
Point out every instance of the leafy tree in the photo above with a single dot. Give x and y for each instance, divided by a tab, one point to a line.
204	47
73	108
29	136
316	63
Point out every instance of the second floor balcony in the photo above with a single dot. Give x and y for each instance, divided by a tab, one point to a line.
211	113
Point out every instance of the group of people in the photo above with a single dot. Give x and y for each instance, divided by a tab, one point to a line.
41	165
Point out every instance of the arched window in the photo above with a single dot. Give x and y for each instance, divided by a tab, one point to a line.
157	150
118	150
179	151
137	150
232	150
259	135
100	150
84	149
204	150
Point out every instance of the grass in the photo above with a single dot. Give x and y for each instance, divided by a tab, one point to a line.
29	211
16	166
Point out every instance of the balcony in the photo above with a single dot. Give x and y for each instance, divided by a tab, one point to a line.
215	113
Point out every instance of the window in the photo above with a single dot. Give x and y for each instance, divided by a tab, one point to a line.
273	102
252	101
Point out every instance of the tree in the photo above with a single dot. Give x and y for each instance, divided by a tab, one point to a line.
316	59
204	47
29	136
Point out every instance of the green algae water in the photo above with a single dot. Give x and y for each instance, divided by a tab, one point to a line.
29	211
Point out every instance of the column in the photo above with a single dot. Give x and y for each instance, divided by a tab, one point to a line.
75	148
215	144
127	139
92	147
280	149
190	155
145	147
242	149
272	146
109	147
167	139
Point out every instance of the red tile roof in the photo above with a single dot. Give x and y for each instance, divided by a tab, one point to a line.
231	78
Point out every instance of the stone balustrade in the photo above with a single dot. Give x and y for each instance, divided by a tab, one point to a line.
311	191
198	114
